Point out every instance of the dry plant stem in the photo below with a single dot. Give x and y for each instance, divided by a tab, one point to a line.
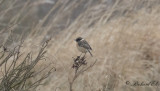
81	61
16	76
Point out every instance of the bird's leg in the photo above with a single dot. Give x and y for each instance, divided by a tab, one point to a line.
80	55
84	54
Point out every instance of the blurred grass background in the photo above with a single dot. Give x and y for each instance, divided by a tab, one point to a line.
124	35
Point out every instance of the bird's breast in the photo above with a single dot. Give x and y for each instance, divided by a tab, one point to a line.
81	49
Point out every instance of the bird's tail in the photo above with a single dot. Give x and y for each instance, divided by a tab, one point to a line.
90	53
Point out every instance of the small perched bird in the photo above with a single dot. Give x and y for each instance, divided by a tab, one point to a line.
83	45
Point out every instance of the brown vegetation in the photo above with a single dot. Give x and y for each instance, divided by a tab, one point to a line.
124	35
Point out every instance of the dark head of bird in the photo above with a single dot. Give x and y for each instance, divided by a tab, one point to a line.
78	39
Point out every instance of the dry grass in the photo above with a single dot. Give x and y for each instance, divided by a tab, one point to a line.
124	35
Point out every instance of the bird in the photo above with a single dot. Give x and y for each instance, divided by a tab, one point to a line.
83	46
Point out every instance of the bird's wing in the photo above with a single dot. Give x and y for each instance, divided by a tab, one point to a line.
84	43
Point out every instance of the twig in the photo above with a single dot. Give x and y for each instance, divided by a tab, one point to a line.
78	62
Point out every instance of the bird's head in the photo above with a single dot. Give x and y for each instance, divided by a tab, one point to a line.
78	39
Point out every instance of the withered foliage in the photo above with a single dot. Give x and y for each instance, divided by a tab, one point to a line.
17	72
80	66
